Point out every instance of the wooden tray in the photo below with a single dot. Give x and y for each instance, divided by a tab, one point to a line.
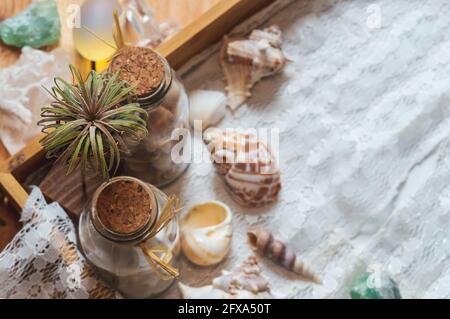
196	36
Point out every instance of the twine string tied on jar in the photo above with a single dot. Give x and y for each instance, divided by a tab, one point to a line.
159	257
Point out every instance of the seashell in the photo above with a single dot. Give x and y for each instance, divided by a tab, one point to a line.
238	77
207	106
206	233
248	166
272	34
246	282
262	241
246	61
266	60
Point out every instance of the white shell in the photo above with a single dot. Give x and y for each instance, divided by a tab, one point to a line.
207	106
271	34
249	168
206	233
266	60
244	283
246	61
238	78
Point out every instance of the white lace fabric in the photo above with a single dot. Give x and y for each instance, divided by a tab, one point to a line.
43	260
364	120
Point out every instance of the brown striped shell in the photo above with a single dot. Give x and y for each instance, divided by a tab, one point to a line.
263	242
248	166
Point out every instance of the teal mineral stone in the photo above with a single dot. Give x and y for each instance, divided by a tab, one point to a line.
37	26
374	286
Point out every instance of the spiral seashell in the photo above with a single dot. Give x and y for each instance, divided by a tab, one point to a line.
246	61
248	166
206	233
262	241
246	282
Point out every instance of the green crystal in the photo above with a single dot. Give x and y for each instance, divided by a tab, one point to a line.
368	287
37	26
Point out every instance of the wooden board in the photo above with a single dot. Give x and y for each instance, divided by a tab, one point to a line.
183	11
10	186
192	39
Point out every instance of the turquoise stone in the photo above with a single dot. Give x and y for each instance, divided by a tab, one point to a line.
368	287
37	26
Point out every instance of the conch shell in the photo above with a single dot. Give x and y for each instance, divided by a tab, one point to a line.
244	283
206	233
262	241
248	166
246	61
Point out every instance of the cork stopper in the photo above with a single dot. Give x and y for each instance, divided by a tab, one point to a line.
124	207
139	66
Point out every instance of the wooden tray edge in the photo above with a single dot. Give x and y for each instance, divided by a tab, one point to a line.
10	186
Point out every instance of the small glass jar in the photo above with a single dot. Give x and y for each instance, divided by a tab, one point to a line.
168	110
118	258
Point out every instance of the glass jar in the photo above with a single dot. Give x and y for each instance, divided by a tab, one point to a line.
120	258
168	111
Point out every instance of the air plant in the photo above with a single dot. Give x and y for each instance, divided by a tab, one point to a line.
88	121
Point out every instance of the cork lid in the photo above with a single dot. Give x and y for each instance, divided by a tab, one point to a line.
138	66
125	206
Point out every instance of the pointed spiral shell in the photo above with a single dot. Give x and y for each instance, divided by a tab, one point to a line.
263	242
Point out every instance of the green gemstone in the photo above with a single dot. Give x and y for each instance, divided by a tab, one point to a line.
37	26
369	286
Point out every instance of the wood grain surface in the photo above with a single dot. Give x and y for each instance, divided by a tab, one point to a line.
16	194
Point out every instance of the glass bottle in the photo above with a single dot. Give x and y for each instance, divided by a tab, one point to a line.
168	112
118	258
93	38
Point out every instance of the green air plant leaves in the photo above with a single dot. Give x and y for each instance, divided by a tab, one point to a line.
86	122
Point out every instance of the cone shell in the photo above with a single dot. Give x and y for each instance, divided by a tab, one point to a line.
248	166
262	241
246	282
246	61
206	233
